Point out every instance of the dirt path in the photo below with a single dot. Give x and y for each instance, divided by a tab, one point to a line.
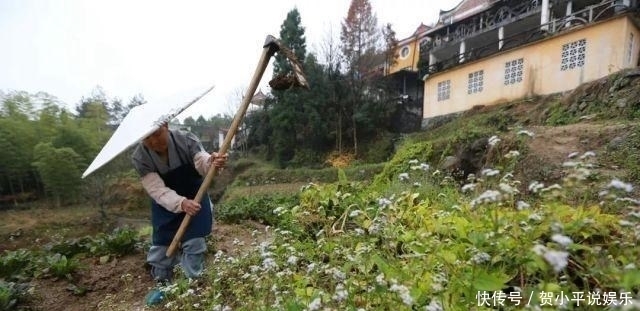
551	146
554	144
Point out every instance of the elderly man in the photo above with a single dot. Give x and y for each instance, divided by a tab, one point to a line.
171	164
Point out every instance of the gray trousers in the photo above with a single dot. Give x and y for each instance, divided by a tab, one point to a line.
190	257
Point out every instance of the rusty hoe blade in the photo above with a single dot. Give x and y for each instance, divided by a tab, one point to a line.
288	80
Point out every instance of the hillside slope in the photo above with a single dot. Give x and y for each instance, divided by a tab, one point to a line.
601	116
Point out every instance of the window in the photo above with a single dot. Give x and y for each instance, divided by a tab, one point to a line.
475	82
444	90
404	52
513	71
630	52
573	55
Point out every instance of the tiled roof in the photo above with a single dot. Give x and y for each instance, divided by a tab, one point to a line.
422	28
465	6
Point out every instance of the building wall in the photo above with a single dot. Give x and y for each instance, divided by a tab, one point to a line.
607	46
410	61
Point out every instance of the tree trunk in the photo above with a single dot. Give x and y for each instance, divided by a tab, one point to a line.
355	137
13	193
339	136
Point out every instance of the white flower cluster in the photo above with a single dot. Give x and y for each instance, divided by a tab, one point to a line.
292	260
552	187
341	293
558	260
337	274
384	202
561	239
438	281
280	210
403	176
403	292
316	304
468	187
489	196
490	172
535	186
535	217
434	305
573	154
377	224
423	166
520	205
221	308
480	257
493	140
524	132
620	185
508	189
512	154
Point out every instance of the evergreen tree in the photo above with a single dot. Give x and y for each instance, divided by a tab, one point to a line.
189	121
317	113
336	88
292	34
201	121
117	111
286	115
136	100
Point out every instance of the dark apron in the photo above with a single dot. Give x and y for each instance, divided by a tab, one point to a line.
184	180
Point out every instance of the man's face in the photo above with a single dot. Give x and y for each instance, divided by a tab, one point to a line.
158	140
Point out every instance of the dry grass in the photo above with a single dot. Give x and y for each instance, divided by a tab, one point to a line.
338	160
34	218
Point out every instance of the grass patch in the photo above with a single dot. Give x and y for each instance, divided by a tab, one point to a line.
259	208
267	176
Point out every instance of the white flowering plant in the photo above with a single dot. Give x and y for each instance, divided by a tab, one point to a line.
429	242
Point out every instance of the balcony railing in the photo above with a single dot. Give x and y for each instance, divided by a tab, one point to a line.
485	22
580	18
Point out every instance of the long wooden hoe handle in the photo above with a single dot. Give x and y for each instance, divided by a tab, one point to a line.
270	48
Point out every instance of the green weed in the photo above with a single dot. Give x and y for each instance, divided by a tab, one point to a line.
17	264
59	266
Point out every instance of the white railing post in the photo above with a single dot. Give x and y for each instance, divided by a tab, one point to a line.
544	15
568	14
